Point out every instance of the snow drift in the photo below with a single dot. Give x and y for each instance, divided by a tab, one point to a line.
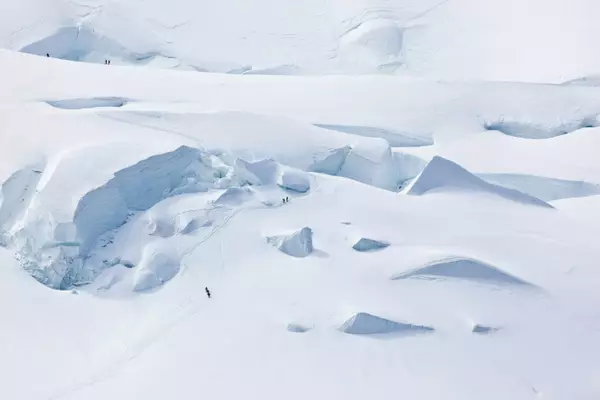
443	175
368	324
463	268
154	271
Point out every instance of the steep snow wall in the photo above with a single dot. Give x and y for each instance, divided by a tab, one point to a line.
55	251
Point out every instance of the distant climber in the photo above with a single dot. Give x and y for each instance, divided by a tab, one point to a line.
47	54
207	292
287	199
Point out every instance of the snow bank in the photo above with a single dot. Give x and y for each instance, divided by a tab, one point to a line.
294	180
463	268
442	175
297	244
368	324
366	245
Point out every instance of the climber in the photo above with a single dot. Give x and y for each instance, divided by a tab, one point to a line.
47	54
207	292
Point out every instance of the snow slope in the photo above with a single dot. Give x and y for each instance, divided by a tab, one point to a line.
126	191
508	40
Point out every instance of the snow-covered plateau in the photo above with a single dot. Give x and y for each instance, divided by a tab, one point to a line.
385	198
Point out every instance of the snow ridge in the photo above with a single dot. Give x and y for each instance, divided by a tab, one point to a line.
442	175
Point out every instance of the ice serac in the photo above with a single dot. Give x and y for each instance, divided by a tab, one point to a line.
373	163
297	244
442	175
330	162
55	251
294	180
367	245
261	172
483	329
369	324
139	187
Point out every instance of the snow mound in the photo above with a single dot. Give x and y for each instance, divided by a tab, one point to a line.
394	138
463	268
189	222
543	188
92	102
297	244
294	180
368	324
296	328
484	330
154	271
530	130
160	227
366	245
442	175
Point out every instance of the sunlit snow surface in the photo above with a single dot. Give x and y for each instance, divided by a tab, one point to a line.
361	236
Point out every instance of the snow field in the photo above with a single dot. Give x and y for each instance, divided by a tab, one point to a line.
131	190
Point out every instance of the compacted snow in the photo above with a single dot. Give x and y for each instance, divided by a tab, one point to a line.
378	229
